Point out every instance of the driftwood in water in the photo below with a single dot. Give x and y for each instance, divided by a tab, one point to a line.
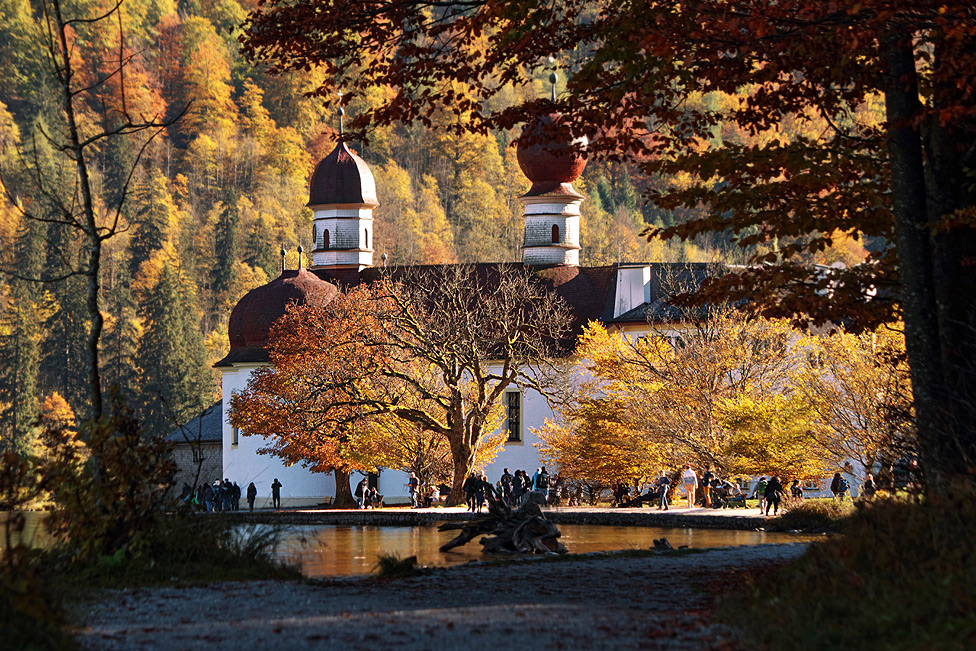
509	531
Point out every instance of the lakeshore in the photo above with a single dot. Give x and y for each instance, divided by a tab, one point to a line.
674	517
592	601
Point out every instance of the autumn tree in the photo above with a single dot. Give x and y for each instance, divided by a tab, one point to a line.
98	106
433	346
711	388
298	402
633	69
859	387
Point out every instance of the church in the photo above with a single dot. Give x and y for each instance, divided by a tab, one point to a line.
342	195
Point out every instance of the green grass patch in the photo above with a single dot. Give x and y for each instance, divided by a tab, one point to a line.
902	577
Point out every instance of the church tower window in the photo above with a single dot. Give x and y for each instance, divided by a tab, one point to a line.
365	238
555	233
325	239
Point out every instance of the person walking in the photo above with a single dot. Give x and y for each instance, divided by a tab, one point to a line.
760	492
663	484
774	492
689	479
252	494
276	494
839	486
796	490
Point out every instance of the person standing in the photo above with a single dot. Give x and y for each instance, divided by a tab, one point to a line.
868	488
689	479
707	487
470	487
413	485
542	483
252	494
360	494
276	494
507	487
663	484
774	492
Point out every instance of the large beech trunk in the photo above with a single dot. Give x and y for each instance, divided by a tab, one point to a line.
343	496
937	273
463	456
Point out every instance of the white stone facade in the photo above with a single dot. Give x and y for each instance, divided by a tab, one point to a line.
343	237
552	230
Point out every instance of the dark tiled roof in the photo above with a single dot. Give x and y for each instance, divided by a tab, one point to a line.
342	177
254	314
208	426
589	292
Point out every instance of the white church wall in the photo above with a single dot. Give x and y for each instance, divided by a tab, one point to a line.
243	464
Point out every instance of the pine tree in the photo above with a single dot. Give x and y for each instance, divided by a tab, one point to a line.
122	334
175	379
20	348
154	219
227	244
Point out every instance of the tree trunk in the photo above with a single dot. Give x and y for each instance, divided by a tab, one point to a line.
463	457
917	290
937	273
343	496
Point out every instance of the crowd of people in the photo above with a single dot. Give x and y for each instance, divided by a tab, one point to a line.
225	495
706	489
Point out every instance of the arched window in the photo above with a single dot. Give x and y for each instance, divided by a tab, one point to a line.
325	239
555	233
366	238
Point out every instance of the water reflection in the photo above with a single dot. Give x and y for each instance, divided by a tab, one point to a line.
331	550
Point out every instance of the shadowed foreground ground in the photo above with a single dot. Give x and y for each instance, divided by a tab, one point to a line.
593	602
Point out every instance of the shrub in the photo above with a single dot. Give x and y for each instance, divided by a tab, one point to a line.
109	483
814	514
901	577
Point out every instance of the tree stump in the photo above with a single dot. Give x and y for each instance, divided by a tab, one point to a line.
509	531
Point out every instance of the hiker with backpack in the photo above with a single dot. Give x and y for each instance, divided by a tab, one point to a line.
760	492
839	486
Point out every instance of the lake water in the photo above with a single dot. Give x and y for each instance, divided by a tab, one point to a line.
335	550
345	550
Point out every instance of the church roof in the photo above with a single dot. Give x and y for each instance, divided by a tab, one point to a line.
252	318
590	293
208	427
549	163
342	177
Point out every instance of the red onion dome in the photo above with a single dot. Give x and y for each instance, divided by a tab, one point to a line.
342	177
550	163
252	317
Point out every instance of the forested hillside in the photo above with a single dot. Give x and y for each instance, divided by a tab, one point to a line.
217	194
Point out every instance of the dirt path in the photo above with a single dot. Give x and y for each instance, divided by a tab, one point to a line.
593	602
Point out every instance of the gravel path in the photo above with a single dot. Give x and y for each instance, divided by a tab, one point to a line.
593	602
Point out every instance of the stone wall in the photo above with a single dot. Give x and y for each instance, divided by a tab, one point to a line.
210	469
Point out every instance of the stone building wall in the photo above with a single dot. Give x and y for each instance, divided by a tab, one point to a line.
211	469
